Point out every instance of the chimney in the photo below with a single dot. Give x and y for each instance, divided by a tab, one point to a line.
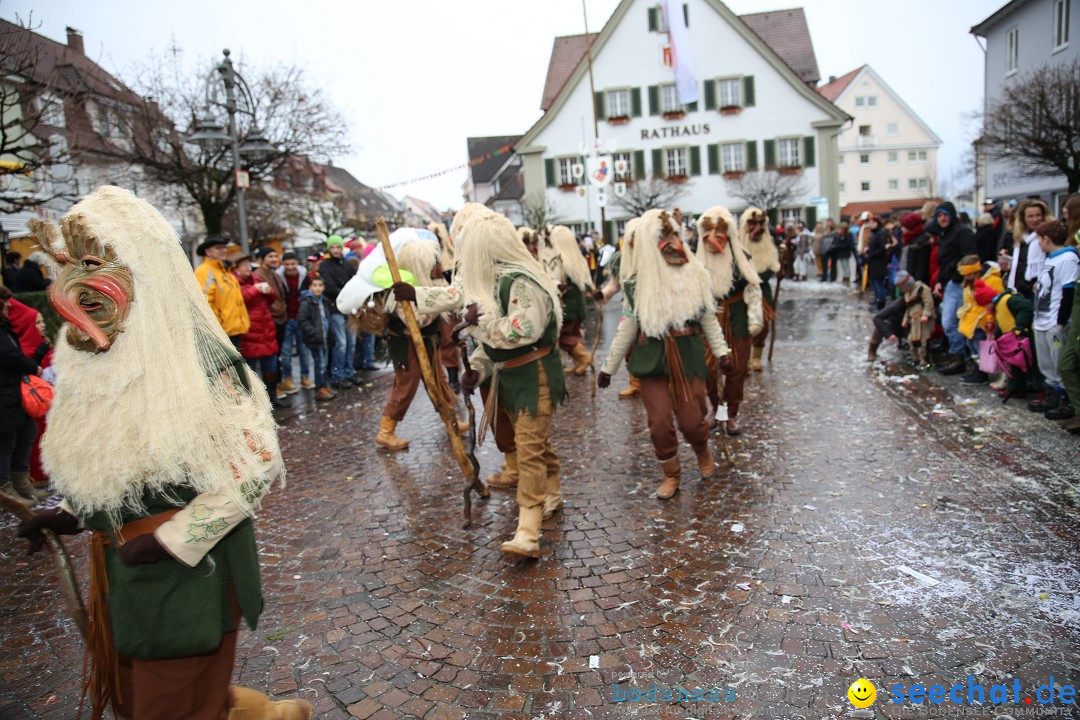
832	78
75	40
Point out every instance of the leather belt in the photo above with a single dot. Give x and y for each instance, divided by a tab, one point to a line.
527	357
142	526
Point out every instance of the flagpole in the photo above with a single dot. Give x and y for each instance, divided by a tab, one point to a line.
595	112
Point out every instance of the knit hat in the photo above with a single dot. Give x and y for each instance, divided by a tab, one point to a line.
984	294
334	240
903	280
912	221
263	251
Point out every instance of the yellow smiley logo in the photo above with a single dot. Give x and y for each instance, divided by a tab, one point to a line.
862	693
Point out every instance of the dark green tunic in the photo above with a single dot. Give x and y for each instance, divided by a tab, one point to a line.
738	317
648	359
398	339
519	387
766	287
573	304
168	610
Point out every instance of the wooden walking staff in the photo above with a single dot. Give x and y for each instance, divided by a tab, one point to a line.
597	332
776	313
69	584
446	412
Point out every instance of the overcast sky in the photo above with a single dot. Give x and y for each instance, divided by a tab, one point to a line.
416	77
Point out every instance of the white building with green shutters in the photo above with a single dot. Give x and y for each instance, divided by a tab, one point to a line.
757	111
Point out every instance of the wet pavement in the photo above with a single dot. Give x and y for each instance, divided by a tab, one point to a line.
878	523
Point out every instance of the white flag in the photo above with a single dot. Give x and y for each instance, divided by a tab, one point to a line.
685	80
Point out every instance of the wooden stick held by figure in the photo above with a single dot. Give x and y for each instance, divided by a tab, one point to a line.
446	412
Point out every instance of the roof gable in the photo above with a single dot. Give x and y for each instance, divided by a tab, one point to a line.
787	34
866	70
737	25
480	147
566	52
835	88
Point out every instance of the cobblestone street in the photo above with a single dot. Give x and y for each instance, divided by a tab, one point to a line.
780	578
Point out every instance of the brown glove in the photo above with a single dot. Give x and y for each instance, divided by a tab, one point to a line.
55	519
143	550
603	380
404	292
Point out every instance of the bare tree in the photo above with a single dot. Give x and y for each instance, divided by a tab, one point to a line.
540	212
767	189
322	217
656	192
295	116
1036	123
268	218
34	152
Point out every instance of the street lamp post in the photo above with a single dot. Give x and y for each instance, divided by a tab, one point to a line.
210	135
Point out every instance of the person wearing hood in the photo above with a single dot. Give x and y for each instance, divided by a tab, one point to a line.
918	316
669	314
957	241
737	289
982	283
918	242
766	261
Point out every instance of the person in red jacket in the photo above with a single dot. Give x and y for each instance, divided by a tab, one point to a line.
258	346
26	321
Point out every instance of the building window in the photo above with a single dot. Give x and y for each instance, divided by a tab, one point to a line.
918	183
628	158
52	111
843	187
893	158
566	173
871	101
790	215
579	228
618	103
860	101
728	92
732	155
1061	24
620	230
864	158
1012	60
864	186
892	129
916	156
840	159
789	152
669	99
676	162
110	123
894	185
864	130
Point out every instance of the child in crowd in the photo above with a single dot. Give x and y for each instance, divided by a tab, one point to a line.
976	315
918	316
1013	314
313	317
1053	307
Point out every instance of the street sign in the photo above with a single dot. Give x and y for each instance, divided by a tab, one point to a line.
243	179
819	200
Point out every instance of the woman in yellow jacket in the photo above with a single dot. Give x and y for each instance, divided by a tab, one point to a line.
222	289
977	319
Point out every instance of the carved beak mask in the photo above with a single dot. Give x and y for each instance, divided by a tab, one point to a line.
714	236
671	245
93	291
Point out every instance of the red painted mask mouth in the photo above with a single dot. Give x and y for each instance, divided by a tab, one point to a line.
672	250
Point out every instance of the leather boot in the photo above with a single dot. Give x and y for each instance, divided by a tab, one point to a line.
553	495
582	360
508	476
632	389
705	461
20	481
271	379
1064	410
526	539
871	350
955	365
251	705
670	484
9	490
386	437
755	359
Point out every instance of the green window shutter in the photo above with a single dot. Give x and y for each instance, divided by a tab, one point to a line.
686	14
714	159
654	19
770	154
808	151
748	91
811	216
654	99
691	107
710	94
695	159
773	215
658	163
751	155
600	114
609	236
635	102
639	164
549	170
